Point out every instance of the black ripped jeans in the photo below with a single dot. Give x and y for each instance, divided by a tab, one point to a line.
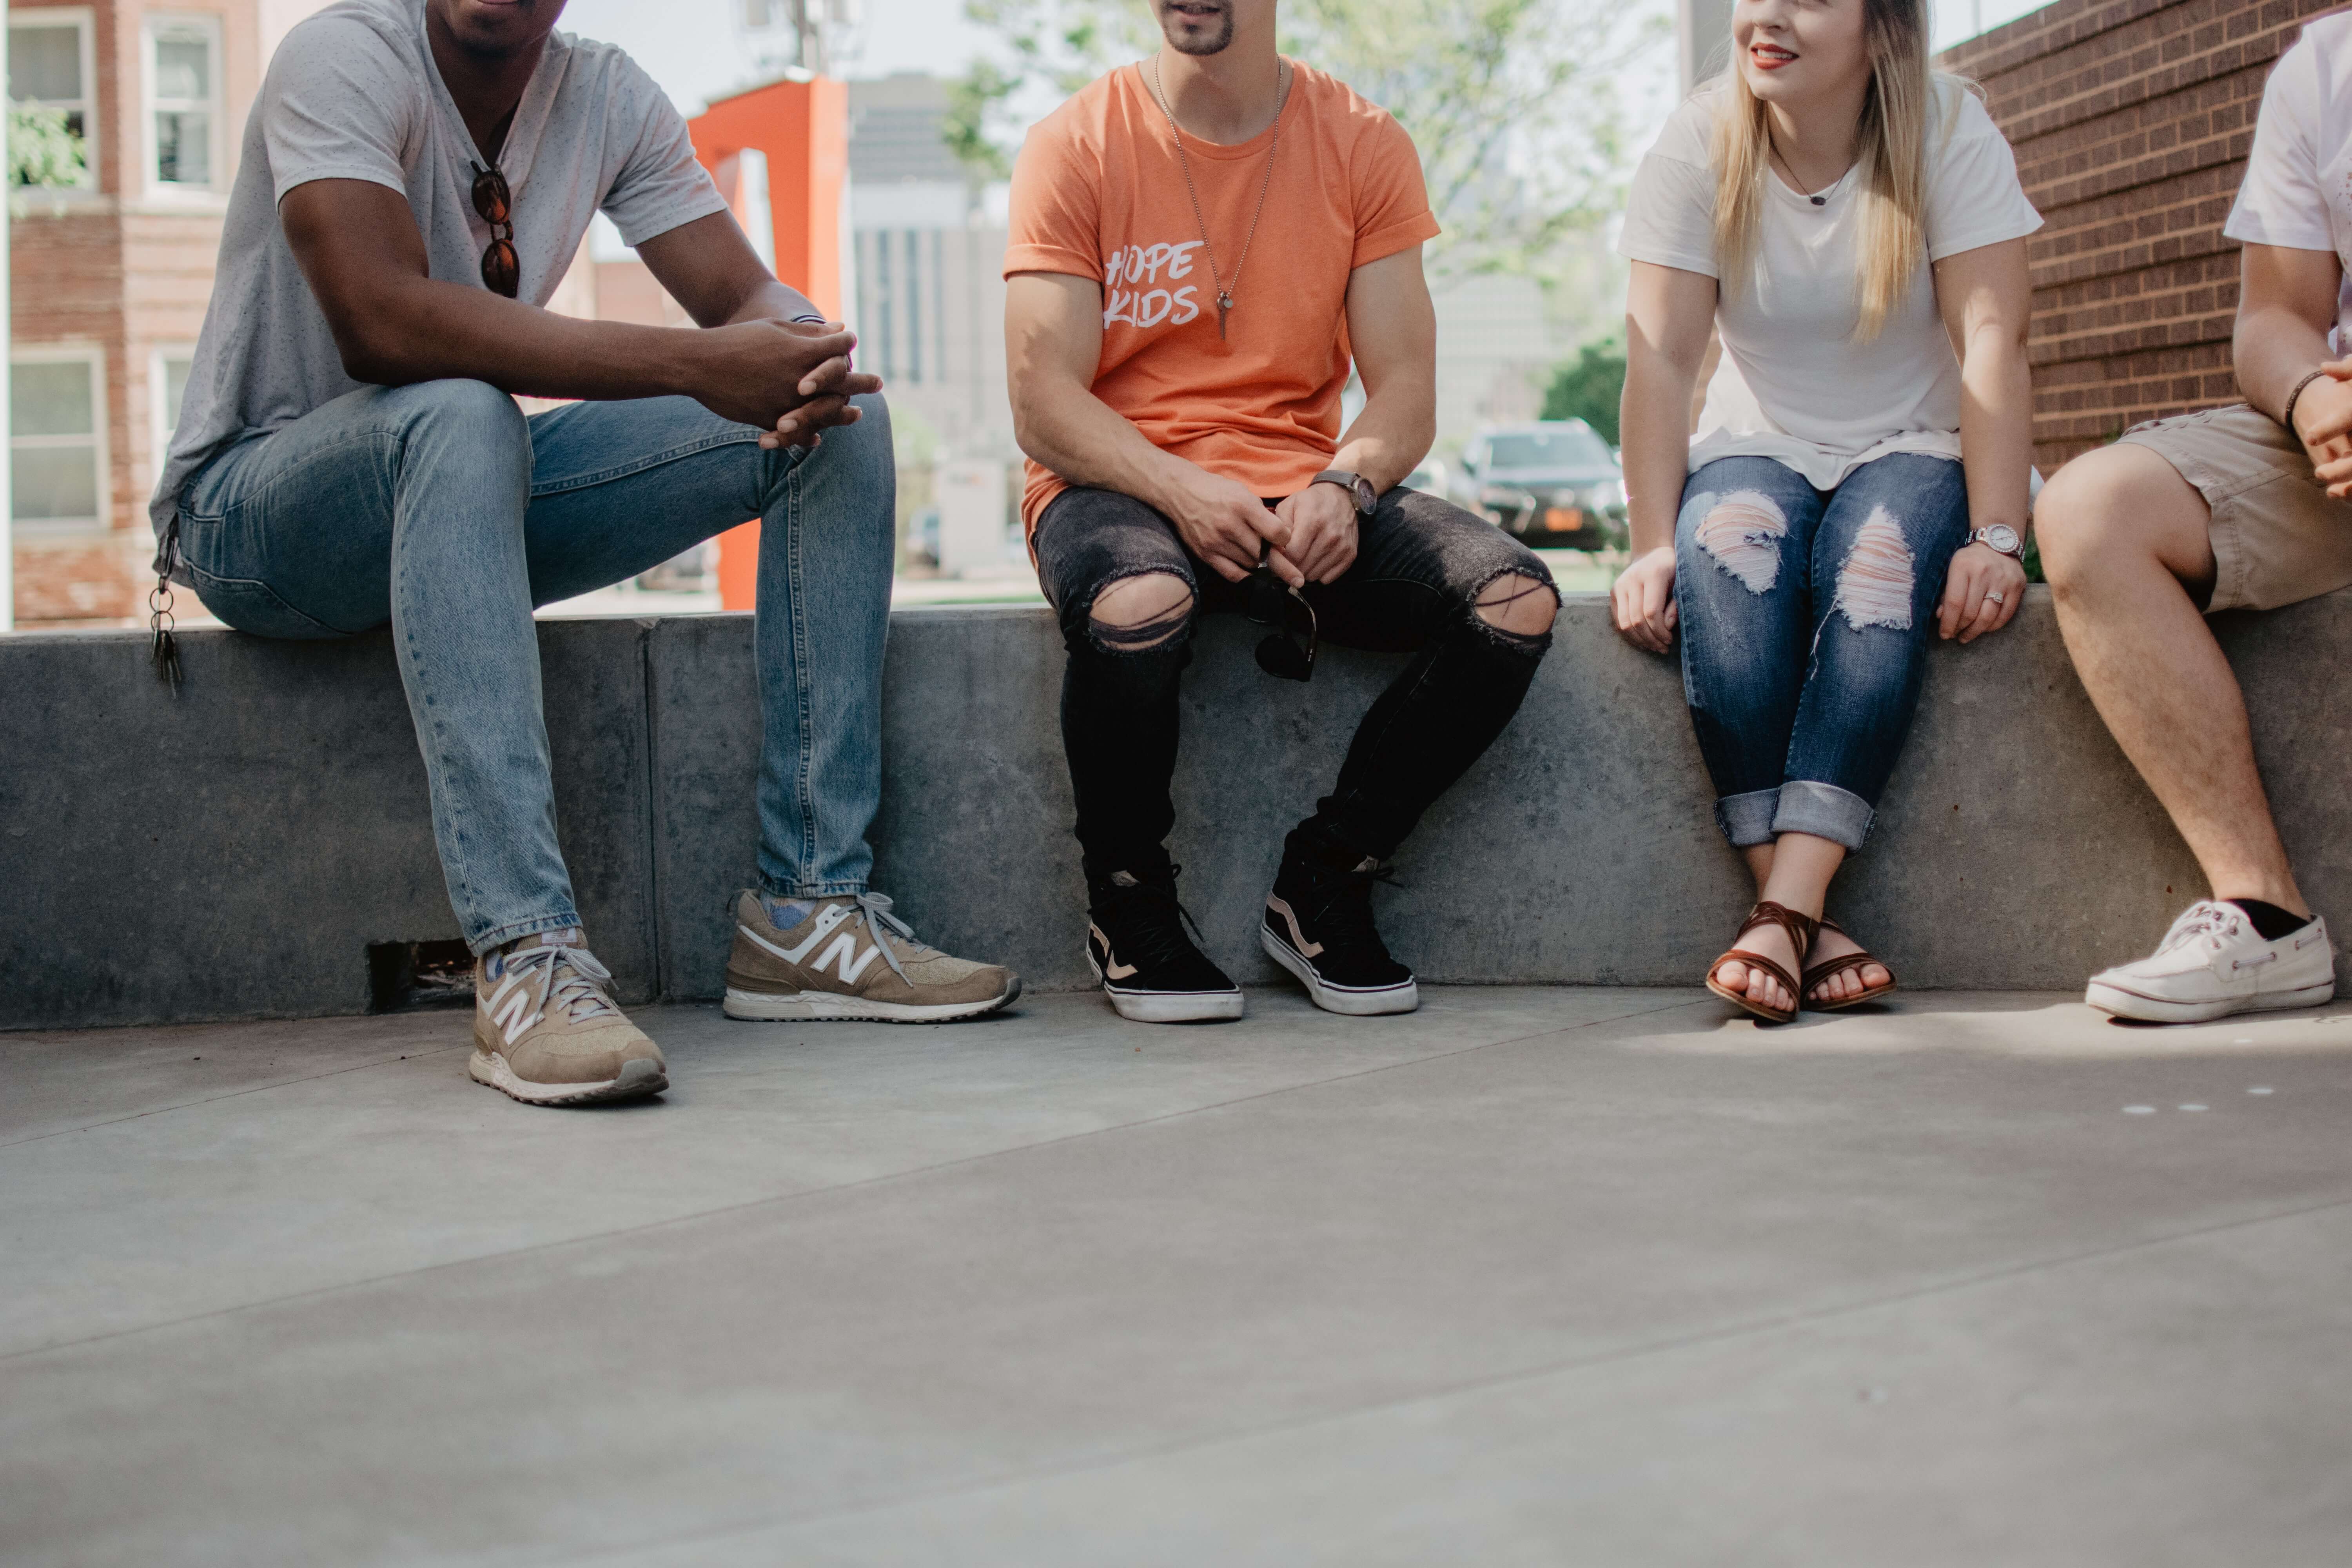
1420	566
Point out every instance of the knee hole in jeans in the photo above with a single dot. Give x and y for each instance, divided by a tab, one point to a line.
1517	603
1874	586
1741	533
1139	613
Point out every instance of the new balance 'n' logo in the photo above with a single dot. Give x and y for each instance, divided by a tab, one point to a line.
838	955
511	1013
842	955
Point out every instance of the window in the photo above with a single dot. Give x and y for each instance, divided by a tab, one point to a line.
884	316
175	387
183	102
914	308
167	383
56	404
50	64
1561	447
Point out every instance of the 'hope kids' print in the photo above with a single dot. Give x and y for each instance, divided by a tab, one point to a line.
1130	294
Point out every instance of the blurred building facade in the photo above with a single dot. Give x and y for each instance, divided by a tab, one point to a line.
927	294
109	273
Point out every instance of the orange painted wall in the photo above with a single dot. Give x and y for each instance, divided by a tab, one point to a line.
803	127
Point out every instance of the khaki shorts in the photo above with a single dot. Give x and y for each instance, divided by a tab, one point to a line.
2277	537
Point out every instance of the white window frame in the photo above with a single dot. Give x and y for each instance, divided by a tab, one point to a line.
159	428
94	357
85	23
216	107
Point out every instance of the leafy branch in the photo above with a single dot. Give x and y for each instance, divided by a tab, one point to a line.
1512	103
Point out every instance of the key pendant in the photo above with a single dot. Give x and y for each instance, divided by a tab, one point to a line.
1225	303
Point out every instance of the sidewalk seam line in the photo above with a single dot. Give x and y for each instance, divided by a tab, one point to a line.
803	1193
1696	1339
234	1094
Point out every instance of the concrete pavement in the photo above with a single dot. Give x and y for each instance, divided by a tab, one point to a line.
1531	1277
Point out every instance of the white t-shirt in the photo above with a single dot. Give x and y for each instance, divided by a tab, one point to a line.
1793	384
2298	188
353	94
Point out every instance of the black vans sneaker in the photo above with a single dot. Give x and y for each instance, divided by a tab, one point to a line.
1148	965
1318	925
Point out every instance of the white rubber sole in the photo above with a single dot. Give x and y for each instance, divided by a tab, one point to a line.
1357	1003
832	1007
638	1078
1170	1006
2126	1004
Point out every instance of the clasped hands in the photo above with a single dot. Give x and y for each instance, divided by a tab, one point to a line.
2322	422
1310	537
793	380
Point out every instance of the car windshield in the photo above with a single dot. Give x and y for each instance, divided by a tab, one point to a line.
1568	446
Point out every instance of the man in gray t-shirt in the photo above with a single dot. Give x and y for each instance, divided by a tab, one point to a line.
416	177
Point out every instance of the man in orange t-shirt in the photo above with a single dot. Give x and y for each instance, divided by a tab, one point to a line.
1201	242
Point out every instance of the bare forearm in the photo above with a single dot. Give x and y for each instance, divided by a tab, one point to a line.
427	330
1076	435
2273	348
1391	436
1997	428
774	302
1653	421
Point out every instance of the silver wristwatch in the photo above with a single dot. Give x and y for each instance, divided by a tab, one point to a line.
2001	537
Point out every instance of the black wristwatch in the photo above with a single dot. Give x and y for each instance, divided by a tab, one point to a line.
1356	485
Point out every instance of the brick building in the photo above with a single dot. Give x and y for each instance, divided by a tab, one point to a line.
109	275
2131	119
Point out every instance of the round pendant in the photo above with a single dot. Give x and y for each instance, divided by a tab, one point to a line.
1819	201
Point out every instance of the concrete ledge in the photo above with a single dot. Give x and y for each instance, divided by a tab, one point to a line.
232	853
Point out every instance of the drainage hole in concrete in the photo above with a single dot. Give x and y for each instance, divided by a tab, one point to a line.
419	974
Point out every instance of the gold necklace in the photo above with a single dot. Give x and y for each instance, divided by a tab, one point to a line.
1265	182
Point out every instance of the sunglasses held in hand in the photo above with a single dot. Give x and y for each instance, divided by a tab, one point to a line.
1289	653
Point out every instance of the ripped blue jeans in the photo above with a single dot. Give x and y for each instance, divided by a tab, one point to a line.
1805	618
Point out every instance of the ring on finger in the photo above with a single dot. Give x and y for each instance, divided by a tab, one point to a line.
1996	598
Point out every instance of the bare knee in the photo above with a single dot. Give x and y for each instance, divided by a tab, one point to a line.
1519	605
1139	613
2117	506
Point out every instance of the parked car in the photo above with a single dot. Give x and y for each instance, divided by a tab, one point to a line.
1429	478
1553	484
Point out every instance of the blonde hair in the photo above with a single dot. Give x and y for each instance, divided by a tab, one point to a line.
1891	162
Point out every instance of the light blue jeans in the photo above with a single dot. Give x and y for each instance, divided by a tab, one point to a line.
1805	620
440	508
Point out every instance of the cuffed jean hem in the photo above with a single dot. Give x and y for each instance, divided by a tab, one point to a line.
1824	811
1746	819
839	890
515	930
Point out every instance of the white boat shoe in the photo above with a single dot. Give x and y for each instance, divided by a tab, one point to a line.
2212	963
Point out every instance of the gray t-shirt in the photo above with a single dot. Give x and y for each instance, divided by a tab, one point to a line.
353	94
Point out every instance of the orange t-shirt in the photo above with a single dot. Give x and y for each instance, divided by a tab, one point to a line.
1097	192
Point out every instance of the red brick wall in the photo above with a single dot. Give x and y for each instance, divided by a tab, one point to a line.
2131	119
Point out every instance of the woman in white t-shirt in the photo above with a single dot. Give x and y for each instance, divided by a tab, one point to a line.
1864	218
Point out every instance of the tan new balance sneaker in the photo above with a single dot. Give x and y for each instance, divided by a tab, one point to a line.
546	1032
850	958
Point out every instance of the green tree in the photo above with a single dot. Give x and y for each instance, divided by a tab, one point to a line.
1588	388
1512	103
42	148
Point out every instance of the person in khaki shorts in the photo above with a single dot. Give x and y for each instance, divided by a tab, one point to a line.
2244	508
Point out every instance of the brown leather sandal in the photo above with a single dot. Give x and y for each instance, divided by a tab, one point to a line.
1828	966
1801	934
